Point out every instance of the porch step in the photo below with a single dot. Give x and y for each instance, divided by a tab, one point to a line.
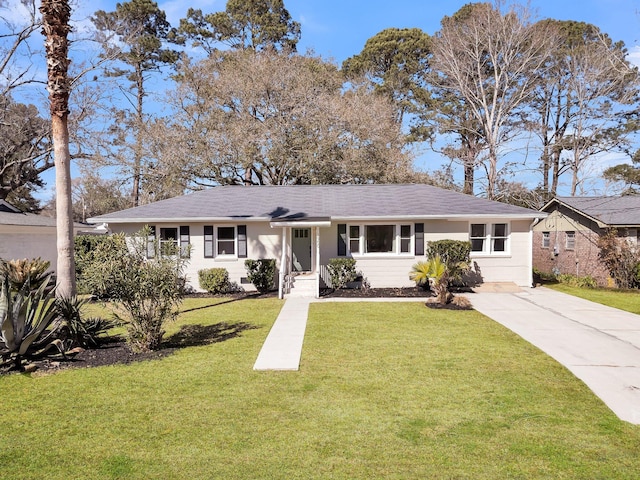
303	286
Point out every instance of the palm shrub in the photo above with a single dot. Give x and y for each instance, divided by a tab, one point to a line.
341	271
146	292
434	272
261	273
28	321
214	280
456	254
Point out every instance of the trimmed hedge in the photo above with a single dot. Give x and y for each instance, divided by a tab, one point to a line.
214	280
261	273
341	271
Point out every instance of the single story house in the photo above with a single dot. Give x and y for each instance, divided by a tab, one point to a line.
29	235
566	240
384	227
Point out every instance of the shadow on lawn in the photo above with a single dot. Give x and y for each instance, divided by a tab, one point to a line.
232	299
198	335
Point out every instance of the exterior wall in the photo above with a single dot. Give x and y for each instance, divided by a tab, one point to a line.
393	270
17	242
582	260
513	266
262	242
380	270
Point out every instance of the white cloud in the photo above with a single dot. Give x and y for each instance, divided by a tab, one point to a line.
634	55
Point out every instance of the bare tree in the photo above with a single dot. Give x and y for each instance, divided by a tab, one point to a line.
16	64
55	28
249	117
585	102
489	60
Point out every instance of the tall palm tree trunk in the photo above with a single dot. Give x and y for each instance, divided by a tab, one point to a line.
55	28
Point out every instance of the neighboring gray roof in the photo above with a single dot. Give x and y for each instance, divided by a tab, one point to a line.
606	211
26	219
297	202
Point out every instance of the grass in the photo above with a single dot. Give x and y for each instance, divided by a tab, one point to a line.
391	390
628	300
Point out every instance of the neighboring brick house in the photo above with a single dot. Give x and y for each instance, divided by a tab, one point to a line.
566	240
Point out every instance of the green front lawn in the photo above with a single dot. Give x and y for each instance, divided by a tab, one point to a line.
385	390
628	300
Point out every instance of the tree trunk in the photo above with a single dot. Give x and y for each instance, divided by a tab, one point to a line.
55	28
66	269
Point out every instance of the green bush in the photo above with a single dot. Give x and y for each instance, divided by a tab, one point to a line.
575	281
214	280
84	247
146	291
261	273
341	271
455	254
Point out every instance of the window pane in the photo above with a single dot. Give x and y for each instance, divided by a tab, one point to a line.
168	233
405	245
208	241
500	230
477	244
354	231
226	233
405	231
226	240
546	239
499	244
354	245
571	240
477	230
380	238
226	247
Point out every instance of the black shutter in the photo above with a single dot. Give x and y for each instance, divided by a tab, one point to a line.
342	239
419	243
242	241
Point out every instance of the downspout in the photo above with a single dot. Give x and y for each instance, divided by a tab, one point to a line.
317	262
531	284
283	260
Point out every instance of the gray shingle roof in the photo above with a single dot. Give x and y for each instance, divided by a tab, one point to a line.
612	211
26	219
318	201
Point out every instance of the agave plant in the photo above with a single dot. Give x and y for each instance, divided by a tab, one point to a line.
25	316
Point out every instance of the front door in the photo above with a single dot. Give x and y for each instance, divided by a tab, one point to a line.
301	249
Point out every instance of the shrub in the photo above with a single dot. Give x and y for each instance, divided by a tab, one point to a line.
454	253
341	271
84	247
622	261
261	273
147	291
575	281
214	280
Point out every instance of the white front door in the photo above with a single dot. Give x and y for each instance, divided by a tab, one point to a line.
301	249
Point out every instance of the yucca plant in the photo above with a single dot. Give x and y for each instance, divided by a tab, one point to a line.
25	316
80	331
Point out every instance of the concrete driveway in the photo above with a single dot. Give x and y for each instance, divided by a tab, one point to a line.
598	344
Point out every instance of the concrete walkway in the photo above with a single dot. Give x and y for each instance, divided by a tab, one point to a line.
598	344
283	347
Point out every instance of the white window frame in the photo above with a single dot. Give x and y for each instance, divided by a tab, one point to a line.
570	235
361	240
217	240
546	239
488	245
